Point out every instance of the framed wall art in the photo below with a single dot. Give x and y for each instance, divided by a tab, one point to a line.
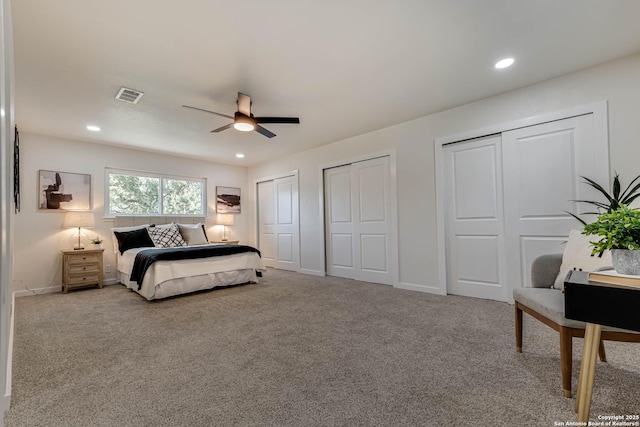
227	200
63	191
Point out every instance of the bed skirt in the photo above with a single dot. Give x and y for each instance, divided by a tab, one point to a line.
189	284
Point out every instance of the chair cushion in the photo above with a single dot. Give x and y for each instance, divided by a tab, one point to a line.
550	304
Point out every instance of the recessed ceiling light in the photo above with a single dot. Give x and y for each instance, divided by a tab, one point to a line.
504	63
240	156
93	128
2	112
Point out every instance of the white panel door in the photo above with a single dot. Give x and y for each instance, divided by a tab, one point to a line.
339	222
507	198
475	221
287	242
542	169
267	223
358	222
278	228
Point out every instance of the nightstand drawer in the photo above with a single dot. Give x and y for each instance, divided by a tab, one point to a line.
83	260
83	279
78	269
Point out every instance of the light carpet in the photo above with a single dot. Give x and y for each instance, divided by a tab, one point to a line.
295	350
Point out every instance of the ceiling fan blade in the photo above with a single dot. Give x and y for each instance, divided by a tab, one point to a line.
244	104
225	127
292	120
265	132
207	111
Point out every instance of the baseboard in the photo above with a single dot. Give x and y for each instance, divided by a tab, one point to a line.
5	401
5	404
53	289
37	291
421	288
312	272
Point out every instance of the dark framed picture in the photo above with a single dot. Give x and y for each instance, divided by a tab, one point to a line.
227	200
63	191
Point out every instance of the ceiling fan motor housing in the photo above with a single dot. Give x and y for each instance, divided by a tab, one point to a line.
243	122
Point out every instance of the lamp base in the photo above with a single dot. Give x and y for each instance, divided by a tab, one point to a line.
79	240
78	249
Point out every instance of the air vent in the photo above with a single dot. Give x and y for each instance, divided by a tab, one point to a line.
129	95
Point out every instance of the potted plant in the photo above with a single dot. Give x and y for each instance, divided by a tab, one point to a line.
97	242
614	199
619	231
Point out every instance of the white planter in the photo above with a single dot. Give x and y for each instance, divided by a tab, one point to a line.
626	261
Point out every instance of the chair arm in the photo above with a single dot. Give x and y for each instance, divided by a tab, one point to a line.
544	270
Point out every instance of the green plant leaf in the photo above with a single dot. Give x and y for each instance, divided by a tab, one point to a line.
628	193
598	187
598	204
616	188
631	199
618	229
576	217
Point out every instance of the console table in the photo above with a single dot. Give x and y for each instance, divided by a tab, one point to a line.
597	304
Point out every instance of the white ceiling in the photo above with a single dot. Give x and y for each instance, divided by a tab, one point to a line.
344	67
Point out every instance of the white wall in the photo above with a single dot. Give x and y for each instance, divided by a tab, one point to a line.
6	204
39	236
618	82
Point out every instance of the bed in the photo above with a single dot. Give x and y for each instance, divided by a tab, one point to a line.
217	265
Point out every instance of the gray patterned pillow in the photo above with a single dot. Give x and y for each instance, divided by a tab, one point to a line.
168	237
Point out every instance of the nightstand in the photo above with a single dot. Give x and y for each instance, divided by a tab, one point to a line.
231	242
82	268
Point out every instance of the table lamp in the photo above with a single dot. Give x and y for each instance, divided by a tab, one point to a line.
224	220
78	219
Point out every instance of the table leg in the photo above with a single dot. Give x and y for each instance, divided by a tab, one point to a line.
584	363
588	370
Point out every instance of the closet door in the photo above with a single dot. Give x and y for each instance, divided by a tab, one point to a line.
475	219
507	198
542	169
286	218
278	222
358	221
267	223
339	222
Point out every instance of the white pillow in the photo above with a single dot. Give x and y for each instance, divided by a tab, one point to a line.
577	254
193	234
113	236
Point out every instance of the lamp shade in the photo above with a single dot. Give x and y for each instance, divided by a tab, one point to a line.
224	219
79	219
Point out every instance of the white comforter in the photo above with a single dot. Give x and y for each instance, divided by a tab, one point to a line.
215	271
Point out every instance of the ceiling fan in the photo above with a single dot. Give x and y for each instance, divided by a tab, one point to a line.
244	121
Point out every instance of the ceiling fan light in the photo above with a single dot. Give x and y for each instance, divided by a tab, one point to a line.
244	126
243	122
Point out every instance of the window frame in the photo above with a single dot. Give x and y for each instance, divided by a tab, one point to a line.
161	177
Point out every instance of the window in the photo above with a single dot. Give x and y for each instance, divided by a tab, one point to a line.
137	193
